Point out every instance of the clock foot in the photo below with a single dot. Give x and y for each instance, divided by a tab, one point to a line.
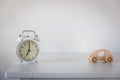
21	61
36	61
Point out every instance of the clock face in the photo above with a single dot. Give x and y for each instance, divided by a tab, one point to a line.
28	50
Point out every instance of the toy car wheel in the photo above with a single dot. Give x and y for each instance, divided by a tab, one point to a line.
108	59
94	59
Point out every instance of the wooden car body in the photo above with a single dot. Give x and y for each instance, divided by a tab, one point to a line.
107	57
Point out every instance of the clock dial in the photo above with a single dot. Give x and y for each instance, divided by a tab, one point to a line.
28	50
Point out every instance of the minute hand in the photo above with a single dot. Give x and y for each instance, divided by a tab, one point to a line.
28	49
29	46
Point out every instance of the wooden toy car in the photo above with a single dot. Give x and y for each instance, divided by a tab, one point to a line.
107	57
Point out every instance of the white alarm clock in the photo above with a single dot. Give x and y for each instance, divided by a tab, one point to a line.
28	48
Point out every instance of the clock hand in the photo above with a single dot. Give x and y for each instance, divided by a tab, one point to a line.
29	45
28	49
27	53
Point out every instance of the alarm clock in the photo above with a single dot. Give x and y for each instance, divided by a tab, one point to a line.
106	58
28	49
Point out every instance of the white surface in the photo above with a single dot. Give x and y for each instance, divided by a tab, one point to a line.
65	66
63	26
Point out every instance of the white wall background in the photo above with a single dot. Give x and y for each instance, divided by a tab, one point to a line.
63	26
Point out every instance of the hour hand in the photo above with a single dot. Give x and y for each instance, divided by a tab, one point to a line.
27	53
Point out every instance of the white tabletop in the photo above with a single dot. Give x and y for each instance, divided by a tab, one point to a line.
65	65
